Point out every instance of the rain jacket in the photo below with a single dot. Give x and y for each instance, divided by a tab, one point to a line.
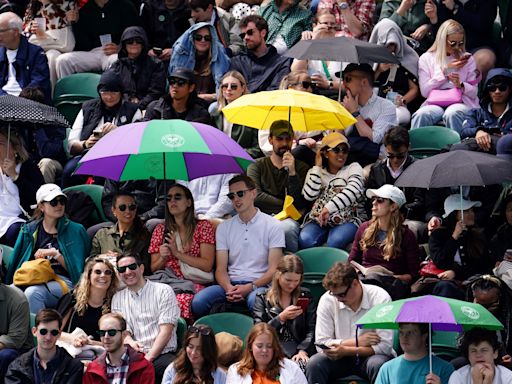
184	53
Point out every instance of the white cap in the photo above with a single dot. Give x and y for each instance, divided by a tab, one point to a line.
455	203
388	191
48	192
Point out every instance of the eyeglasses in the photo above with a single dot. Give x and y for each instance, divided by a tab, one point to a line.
99	272
178	82
131	207
58	200
110	332
198	37
53	332
249	32
133	41
175	197
337	150
454	44
131	267
398	156
341	295
378	200
202	331
303	84
240	194
329	25
234	87
494	87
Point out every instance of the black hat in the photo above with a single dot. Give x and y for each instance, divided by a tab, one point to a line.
364	67
183	73
110	82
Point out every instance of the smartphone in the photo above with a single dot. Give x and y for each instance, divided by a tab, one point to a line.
322	346
303	303
158	51
97	132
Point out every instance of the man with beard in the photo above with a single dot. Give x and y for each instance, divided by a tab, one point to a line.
279	175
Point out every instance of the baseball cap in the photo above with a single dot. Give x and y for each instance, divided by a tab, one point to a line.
281	127
47	192
455	203
334	139
183	73
364	67
388	191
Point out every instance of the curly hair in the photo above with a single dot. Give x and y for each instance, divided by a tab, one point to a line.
392	244
288	263
340	274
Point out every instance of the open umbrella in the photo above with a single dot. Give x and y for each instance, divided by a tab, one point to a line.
443	314
164	149
305	111
20	110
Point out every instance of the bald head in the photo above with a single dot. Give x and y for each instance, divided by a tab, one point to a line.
10	30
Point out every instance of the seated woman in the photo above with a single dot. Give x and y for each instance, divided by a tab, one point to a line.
280	306
481	348
337	192
458	247
142	76
264	361
51	235
129	234
90	299
398	83
448	80
232	86
97	118
200	50
20	178
384	241
183	242
197	360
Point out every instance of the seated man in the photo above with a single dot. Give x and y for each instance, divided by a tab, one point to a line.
117	356
15	337
339	309
353	17
374	114
151	312
278	175
46	363
249	246
22	64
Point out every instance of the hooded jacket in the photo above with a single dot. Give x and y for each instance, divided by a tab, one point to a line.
162	109
482	118
184	53
143	77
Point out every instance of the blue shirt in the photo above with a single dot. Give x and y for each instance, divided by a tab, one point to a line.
41	375
413	372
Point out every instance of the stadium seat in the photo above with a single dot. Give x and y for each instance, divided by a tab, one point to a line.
320	259
234	323
95	192
428	141
6	255
445	345
181	330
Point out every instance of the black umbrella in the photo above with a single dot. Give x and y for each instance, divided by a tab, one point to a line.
20	110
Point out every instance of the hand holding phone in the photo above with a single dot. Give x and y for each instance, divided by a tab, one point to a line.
303	303
322	346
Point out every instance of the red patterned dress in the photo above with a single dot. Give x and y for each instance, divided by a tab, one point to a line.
203	234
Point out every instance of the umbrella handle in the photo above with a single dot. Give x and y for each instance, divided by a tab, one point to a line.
430	346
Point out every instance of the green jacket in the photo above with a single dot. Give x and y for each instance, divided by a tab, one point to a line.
74	244
413	19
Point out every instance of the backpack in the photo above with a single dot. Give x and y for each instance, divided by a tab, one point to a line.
79	207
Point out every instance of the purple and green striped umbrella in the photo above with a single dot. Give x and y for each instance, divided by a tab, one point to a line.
164	149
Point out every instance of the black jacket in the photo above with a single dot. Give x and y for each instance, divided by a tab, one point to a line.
21	370
143	77
162	109
28	182
302	327
500	242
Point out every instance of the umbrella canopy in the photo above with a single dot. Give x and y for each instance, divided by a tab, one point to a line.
456	168
164	149
442	313
20	110
305	111
341	49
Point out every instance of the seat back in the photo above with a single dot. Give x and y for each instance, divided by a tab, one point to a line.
429	141
231	322
77	86
445	345
181	330
6	255
319	260
96	193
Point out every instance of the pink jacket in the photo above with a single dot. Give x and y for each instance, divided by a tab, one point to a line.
432	77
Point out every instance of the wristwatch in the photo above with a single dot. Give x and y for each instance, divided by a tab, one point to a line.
254	286
343	5
356	114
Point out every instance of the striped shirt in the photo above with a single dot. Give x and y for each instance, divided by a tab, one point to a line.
153	305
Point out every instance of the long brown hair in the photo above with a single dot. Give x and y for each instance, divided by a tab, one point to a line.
190	220
138	230
288	263
182	365
248	365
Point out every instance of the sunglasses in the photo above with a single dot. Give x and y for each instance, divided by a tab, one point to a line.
454	44
304	84
131	267
53	332
110	332
58	200
378	200
329	25
398	156
131	207
202	331
341	295
240	194
175	197
198	37
99	272
234	87
249	32
495	87
133	41
337	150
178	82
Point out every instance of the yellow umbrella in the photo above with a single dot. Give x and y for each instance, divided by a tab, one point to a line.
305	111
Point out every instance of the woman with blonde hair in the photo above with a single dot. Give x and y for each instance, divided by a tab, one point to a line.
384	241
290	309
448	79
264	361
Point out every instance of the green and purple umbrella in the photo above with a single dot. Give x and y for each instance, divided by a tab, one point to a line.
164	149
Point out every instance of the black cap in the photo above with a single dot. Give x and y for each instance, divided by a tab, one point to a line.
183	73
364	67
110	82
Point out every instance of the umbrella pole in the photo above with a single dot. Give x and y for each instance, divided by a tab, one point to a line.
165	192
461	210
339	87
430	346
8	139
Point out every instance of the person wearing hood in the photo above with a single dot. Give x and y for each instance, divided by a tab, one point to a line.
398	83
142	76
200	50
97	118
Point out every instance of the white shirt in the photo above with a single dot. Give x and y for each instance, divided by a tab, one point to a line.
336	322
12	87
144	311
248	245
502	375
10	207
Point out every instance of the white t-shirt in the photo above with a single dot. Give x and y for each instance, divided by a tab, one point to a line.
12	87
